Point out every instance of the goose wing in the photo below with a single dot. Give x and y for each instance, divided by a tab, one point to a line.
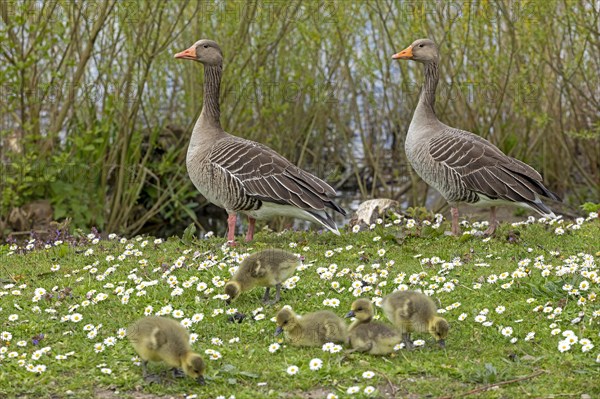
266	175
484	169
258	270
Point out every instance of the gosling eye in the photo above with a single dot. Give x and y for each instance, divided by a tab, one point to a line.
285	322
206	46
421	45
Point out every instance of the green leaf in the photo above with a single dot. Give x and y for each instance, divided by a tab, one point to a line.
189	234
228	368
248	374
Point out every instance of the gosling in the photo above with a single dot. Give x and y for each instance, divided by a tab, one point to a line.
267	268
163	339
412	311
312	329
367	335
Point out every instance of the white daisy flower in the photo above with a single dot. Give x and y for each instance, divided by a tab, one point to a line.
352	390
368	374
315	364
274	347
507	331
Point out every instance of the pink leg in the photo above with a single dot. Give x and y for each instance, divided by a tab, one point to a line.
455	227
493	223
250	232
231	229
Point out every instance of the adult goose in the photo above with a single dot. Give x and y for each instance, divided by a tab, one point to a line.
242	175
462	166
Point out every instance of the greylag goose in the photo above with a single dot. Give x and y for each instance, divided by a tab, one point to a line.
242	175
462	166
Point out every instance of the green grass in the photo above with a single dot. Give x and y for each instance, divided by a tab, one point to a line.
476	355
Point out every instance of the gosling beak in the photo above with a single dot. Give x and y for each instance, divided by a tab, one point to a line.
405	54
442	343
189	54
349	314
278	331
200	380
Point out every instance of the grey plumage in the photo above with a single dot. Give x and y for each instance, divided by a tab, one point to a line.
244	176
250	173
475	168
462	166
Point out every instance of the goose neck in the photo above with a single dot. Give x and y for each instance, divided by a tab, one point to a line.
211	112
427	96
245	282
357	323
208	128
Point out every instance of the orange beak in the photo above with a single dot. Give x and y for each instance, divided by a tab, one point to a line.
189	54
405	54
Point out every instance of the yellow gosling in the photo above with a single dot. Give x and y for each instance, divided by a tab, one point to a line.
367	335
312	329
266	268
163	339
412	311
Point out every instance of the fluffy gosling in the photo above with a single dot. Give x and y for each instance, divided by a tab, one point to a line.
267	268
312	329
163	339
368	335
412	311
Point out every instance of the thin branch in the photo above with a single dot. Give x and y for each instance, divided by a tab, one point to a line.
490	386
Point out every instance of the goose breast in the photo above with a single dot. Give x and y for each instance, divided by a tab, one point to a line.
437	174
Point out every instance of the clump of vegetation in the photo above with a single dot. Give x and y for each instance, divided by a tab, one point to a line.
99	126
590	207
524	314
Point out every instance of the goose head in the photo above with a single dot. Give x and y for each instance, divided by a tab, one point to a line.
362	309
205	51
194	366
233	289
286	320
438	328
421	50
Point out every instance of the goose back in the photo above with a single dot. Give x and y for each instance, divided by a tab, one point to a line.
464	167
239	174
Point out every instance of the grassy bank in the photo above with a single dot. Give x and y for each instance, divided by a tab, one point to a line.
513	302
